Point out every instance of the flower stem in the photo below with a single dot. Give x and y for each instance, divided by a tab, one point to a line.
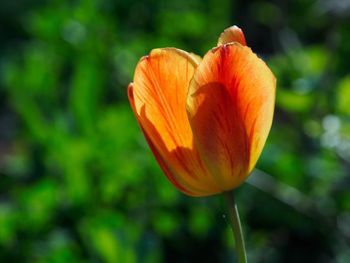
236	226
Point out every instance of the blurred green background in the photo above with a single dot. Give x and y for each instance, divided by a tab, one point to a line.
78	183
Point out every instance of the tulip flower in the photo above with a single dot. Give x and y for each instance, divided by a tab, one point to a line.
206	120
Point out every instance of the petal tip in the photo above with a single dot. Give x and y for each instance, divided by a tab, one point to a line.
146	57
131	97
131	90
232	34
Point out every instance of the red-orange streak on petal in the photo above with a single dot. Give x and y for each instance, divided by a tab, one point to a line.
232	34
230	105
160	87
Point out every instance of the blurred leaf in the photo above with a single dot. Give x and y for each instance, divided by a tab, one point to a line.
343	96
293	102
107	237
200	221
190	24
58	248
85	92
38	204
165	223
8	220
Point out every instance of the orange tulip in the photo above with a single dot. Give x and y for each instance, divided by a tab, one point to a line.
205	120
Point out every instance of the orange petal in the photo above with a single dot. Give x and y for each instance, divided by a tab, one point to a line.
158	97
155	152
196	58
232	34
230	106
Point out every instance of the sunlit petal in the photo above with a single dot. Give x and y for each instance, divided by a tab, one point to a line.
158	96
232	34
230	105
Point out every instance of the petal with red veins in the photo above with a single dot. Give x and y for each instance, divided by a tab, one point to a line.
230	106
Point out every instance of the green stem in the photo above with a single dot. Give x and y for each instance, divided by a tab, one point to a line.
236	226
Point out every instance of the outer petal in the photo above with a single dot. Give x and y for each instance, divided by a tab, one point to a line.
159	158
158	98
232	34
196	58
230	106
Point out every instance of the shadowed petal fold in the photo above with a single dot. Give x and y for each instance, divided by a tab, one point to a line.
158	98
230	107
